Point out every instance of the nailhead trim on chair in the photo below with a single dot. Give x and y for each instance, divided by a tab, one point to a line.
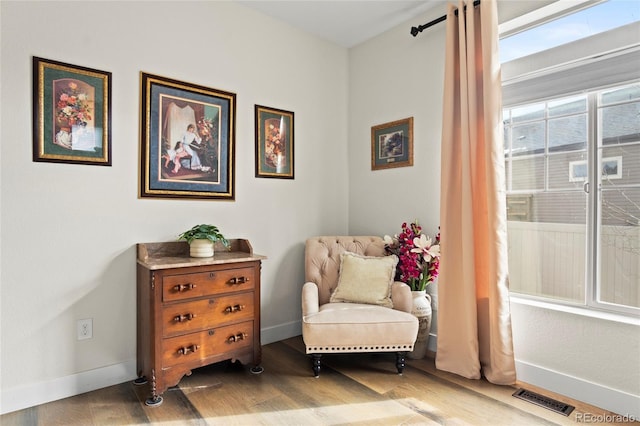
388	348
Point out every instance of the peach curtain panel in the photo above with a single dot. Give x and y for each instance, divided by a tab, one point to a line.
474	321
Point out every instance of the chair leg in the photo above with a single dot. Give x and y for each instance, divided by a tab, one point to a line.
316	364
400	361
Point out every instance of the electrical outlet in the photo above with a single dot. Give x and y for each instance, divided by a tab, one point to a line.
85	328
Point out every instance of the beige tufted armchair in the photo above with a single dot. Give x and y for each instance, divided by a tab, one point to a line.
339	327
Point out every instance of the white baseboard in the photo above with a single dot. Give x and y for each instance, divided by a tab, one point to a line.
280	332
619	402
26	396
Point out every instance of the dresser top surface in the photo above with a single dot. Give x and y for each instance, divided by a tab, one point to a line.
175	254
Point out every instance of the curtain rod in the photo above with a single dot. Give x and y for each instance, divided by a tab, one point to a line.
416	30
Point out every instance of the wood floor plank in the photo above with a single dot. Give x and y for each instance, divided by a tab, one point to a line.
287	393
116	405
68	411
431	395
176	409
28	416
356	389
504	394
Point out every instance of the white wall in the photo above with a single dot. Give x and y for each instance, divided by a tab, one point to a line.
337	95
395	76
592	358
68	231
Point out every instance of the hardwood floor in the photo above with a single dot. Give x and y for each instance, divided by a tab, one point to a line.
351	390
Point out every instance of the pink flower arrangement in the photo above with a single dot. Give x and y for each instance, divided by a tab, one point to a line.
73	107
418	254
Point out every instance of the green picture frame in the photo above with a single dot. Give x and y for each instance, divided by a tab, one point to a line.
274	148
71	113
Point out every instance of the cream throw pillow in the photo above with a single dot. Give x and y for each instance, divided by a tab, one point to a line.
365	279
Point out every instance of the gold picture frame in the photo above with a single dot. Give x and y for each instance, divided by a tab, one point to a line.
71	114
187	140
274	142
392	144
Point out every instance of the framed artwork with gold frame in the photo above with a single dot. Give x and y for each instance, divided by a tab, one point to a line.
392	144
187	140
274	142
71	113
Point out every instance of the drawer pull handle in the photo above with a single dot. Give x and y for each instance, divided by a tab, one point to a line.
186	349
234	308
238	280
237	337
183	287
185	317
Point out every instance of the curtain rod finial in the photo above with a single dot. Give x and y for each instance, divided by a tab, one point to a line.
414	31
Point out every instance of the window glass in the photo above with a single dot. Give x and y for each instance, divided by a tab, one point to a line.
549	194
528	138
587	22
527	174
620	247
568	170
568	133
620	94
621	123
567	106
528	113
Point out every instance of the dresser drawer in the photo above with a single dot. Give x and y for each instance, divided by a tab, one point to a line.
180	318
207	343
198	284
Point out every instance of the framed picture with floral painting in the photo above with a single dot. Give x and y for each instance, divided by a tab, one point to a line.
274	143
187	140
392	144
71	114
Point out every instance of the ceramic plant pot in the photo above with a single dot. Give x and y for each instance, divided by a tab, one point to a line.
201	248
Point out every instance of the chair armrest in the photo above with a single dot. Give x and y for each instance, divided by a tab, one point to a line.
310	304
401	296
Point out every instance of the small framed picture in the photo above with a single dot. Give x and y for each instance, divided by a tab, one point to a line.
392	144
274	143
71	114
187	138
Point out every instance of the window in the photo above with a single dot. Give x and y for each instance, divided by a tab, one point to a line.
572	153
557	204
575	26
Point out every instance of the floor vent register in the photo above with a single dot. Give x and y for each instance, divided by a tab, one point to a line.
543	401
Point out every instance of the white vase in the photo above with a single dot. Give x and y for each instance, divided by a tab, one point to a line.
422	310
432	290
201	248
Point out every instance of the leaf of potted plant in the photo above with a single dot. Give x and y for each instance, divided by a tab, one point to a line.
201	239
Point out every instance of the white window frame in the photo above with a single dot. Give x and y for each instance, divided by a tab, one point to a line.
583	65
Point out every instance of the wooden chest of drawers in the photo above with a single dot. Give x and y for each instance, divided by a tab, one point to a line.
195	311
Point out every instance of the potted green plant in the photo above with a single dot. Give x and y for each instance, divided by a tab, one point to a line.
201	239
